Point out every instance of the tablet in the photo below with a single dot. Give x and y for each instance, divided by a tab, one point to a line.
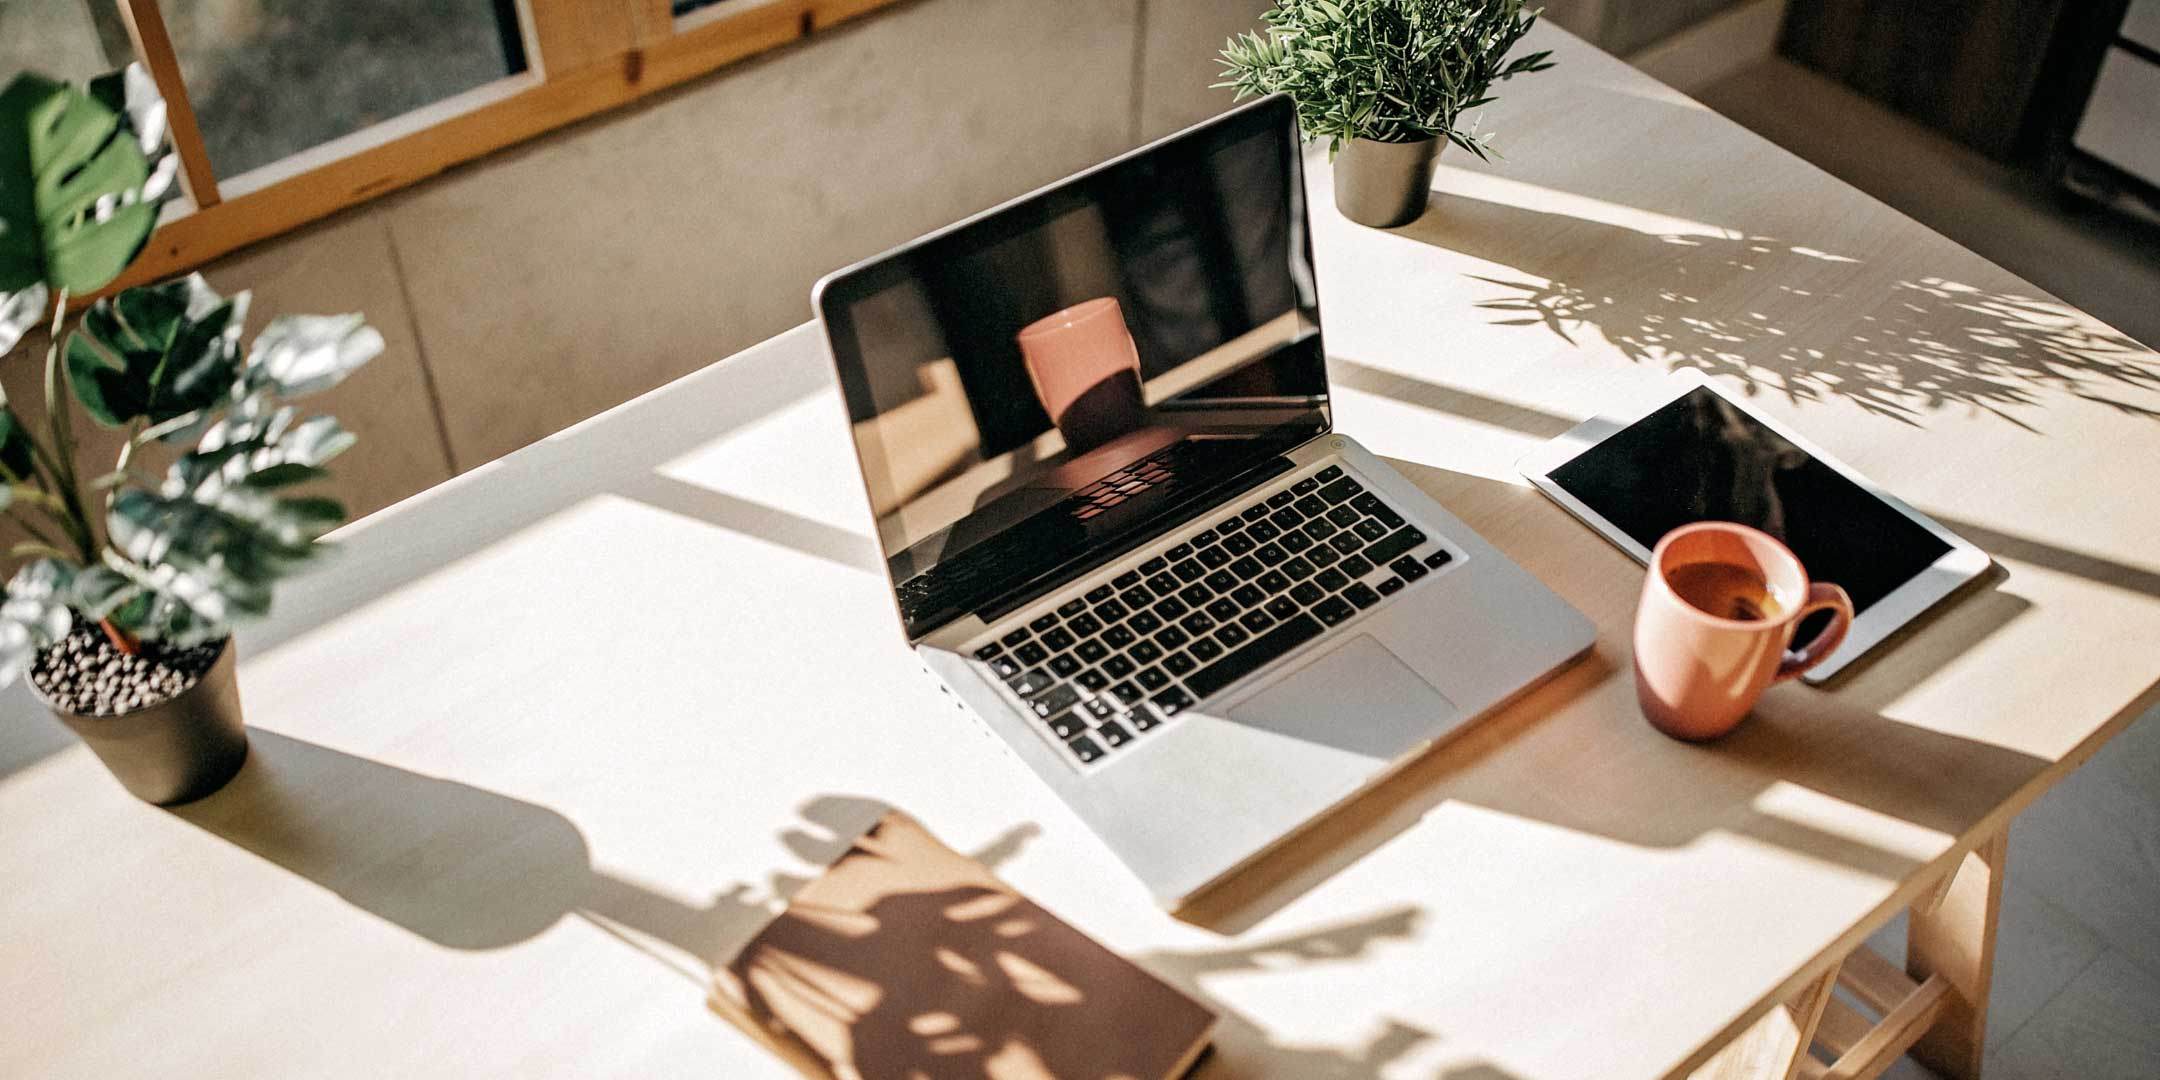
1703	455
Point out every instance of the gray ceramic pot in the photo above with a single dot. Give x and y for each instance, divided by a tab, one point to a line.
176	751
1384	184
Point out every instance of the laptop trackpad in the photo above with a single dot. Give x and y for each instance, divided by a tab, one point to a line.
1359	697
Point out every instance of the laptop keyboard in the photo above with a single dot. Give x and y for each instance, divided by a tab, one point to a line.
1118	659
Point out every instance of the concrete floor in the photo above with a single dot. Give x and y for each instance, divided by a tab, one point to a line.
2077	976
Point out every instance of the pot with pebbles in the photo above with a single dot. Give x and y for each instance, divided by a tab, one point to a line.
1387	84
130	580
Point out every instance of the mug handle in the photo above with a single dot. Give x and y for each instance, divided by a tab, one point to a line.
1821	596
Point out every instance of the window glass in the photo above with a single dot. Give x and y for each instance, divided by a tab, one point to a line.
270	78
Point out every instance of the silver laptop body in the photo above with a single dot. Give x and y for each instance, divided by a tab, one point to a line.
1095	432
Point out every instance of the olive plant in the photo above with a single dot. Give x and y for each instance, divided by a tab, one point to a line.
1387	70
175	557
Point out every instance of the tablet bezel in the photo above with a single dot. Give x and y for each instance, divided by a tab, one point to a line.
1956	567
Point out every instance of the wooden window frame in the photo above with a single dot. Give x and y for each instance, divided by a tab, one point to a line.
583	57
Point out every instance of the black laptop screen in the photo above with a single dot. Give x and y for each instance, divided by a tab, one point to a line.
1046	384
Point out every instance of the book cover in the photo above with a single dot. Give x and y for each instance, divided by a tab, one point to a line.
909	961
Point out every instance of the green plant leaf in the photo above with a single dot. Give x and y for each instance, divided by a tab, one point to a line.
99	591
78	190
22	310
34	614
157	352
300	354
15	447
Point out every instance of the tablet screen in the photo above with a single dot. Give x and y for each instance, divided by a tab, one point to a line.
1703	458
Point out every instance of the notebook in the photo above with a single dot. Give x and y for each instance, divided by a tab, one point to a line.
907	960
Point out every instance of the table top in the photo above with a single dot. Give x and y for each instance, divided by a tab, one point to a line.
549	738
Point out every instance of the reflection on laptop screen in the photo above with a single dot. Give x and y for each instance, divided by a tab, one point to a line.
1053	381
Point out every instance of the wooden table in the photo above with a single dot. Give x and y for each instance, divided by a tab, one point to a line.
548	738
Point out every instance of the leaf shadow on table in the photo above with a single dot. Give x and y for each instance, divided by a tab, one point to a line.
1683	300
471	869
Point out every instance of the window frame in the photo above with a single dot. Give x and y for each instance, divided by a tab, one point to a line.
583	58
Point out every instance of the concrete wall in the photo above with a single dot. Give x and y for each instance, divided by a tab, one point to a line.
524	292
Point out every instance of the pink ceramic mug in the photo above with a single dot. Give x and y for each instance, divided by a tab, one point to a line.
1086	371
1715	623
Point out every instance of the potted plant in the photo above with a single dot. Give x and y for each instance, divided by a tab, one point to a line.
1384	81
127	582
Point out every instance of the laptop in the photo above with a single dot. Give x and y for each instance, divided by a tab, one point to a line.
1095	431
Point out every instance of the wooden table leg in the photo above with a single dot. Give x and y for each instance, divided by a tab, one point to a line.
1774	1048
1956	939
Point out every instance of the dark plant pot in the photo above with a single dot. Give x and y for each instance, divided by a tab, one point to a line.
1384	184
176	751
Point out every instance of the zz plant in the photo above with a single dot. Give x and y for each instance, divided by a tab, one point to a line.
1393	71
176	557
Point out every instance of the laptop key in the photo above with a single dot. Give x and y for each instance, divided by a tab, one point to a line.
1085	625
1310	506
1085	749
1282	607
1178	663
1439	558
1341	490
1178	551
1117	637
1127	693
1064	664
1223	608
1145	652
1305	487
1362	595
1247	595
1113	733
1005	666
1099	708
1214	557
1197	623
1398	543
1152	678
1285	518
1189	570
1092	651
1264	532
1055	700
1391	586
1220	581
1323	555
1117	667
1017	636
1240	544
1136	597
1058	640
1274	581
988	651
1172	637
1231	635
1332	580
1280	499
1327	474
1355	566
1099	594
1297	569
1296	541
1065	725
1229	525
1256	620
1170	609
1346	542
1072	607
1156	565
1145	622
1126	580
1270	554
1333	610
1196	594
1142	720
1034	653
1164	584
1247	568
1204	537
1030	683
1206	649
1253	513
1371	529
1287	635
1092	679
1342	517
1409	567
1110	611
1307	594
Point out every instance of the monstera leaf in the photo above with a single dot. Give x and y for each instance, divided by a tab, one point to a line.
81	175
21	310
14	447
301	354
157	352
34	615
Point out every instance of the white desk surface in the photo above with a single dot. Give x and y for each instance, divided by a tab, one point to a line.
547	738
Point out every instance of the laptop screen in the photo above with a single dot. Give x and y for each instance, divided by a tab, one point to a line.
1043	387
